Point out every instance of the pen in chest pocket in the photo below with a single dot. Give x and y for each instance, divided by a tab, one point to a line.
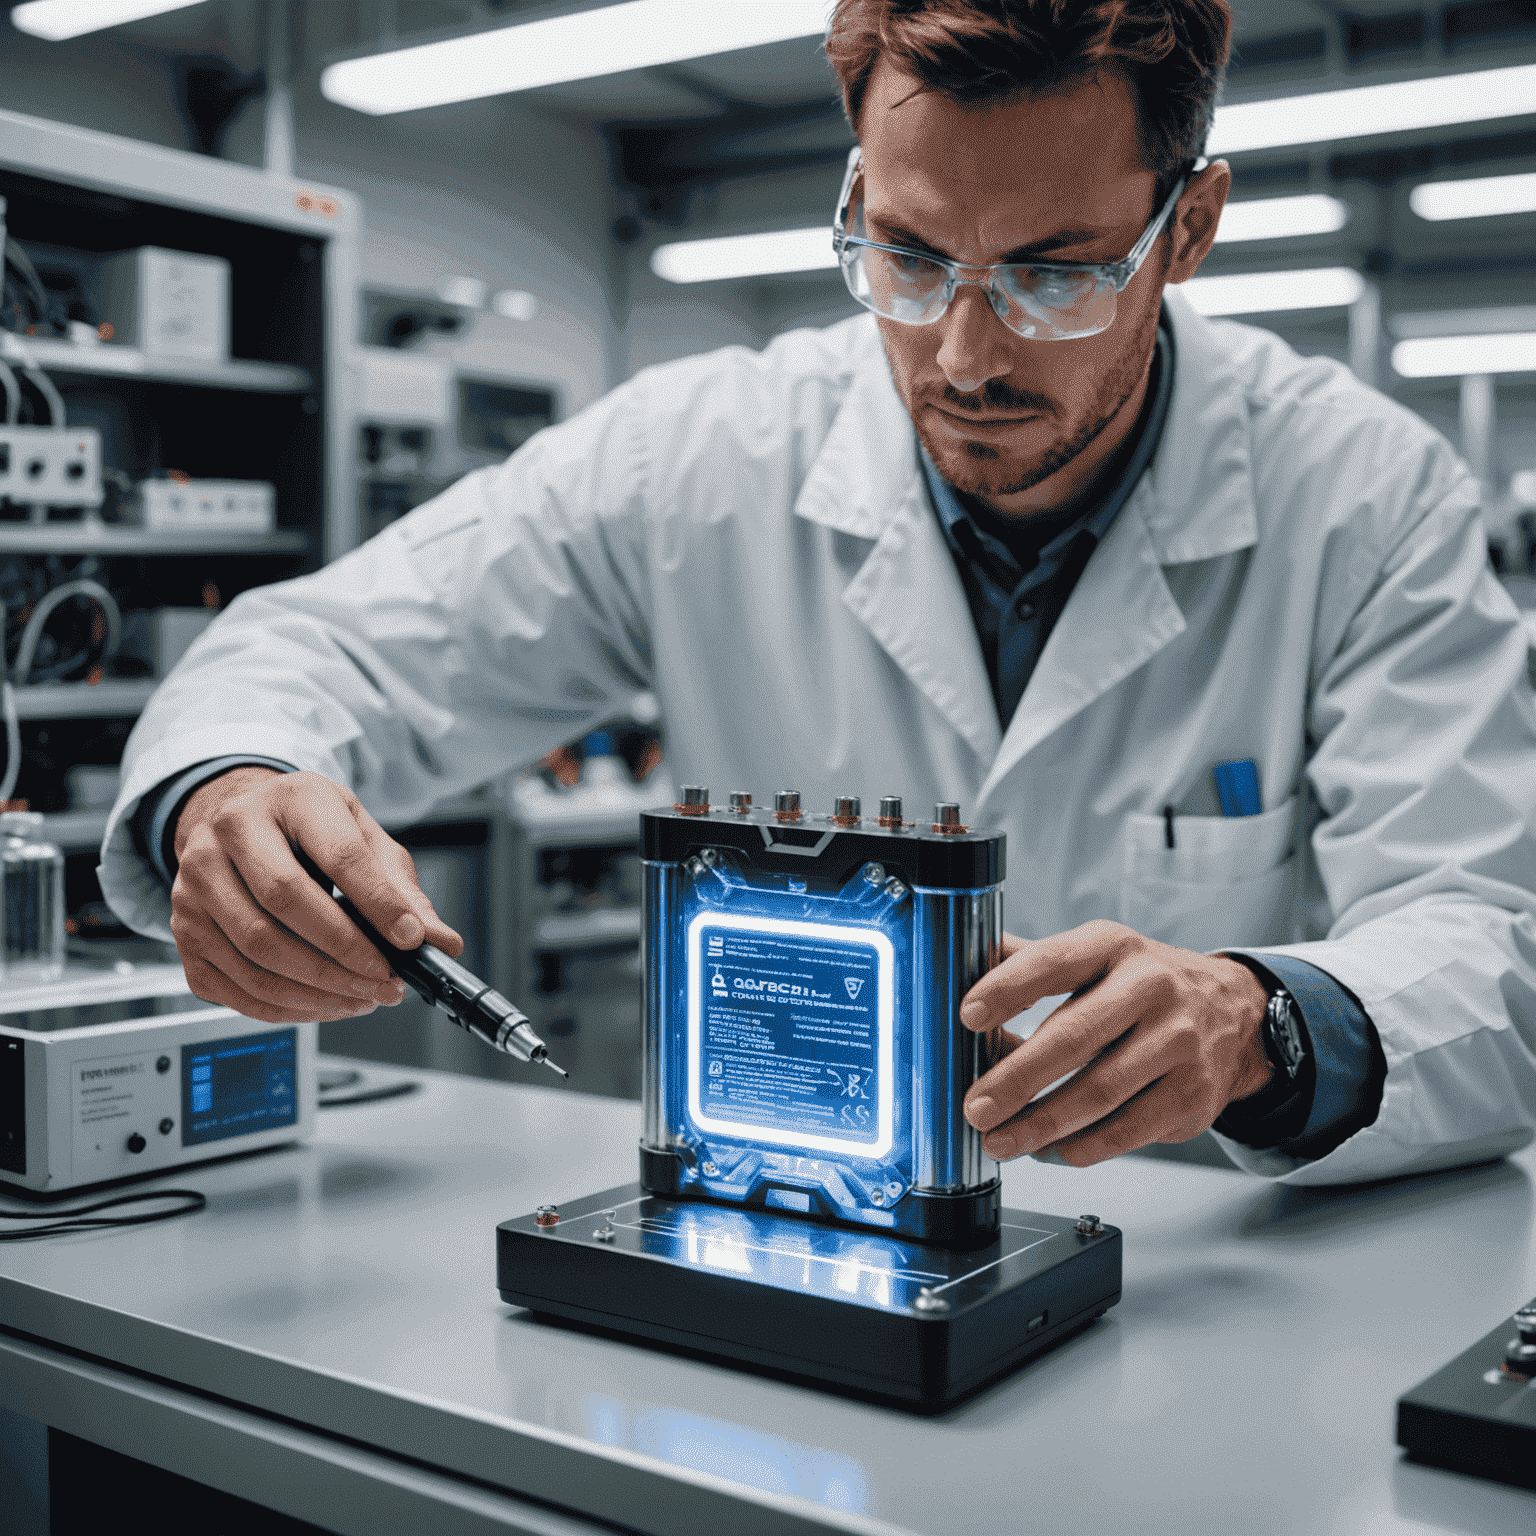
1237	789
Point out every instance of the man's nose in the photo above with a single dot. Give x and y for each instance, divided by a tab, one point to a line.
976	345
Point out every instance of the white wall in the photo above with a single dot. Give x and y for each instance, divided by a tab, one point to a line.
98	82
667	320
481	189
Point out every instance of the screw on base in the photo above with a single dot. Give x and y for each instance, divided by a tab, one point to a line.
1089	1226
546	1216
928	1302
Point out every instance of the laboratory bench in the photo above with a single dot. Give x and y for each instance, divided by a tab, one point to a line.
325	1339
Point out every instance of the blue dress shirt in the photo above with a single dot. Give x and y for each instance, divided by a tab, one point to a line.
1017	589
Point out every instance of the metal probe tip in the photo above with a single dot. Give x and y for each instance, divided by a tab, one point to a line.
552	1067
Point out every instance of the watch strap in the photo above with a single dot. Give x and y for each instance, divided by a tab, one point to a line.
1279	1111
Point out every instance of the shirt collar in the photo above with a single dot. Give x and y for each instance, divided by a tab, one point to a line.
1098	519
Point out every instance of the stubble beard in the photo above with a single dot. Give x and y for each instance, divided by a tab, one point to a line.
965	467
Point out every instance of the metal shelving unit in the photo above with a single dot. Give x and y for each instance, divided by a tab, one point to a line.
91	536
83	701
281	409
110	361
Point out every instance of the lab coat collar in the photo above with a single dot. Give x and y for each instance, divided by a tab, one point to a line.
1195	502
867	482
1201	502
867	466
1201	479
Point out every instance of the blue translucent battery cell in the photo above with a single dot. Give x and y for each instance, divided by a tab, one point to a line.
803	1050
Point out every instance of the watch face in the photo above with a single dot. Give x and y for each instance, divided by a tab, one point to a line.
1285	1034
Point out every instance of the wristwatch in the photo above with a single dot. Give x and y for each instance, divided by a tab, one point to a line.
1278	1111
1283	1042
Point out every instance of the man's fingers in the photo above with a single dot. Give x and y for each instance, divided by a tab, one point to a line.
215	915
390	854
1111	1079
212	970
1071	1037
288	897
1043	968
1160	1112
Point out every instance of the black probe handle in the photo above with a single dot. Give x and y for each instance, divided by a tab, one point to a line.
438	978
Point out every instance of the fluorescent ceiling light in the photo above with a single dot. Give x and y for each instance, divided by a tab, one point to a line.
636	34
1443	357
515	304
464	292
1476	198
57	20
1253	293
1436	102
1463	322
1281	218
780	250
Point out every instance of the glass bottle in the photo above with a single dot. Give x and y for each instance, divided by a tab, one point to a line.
32	910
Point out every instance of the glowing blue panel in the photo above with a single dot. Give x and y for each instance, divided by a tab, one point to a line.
791	1032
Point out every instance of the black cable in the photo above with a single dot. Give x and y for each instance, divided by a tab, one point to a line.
368	1095
70	1220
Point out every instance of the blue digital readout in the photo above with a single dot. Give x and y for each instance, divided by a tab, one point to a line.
233	1087
790	1032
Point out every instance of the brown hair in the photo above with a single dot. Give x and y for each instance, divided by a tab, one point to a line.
1172	51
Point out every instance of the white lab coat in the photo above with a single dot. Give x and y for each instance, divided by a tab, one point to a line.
1299	578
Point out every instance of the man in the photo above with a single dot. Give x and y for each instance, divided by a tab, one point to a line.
1033	536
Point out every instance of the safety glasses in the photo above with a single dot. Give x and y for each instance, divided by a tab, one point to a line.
1041	300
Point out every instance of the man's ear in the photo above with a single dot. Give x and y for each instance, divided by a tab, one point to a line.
1195	219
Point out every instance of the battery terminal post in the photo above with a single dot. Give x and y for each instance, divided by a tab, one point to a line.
946	819
694	802
786	805
846	811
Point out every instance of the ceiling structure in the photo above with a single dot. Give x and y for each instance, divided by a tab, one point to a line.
683	129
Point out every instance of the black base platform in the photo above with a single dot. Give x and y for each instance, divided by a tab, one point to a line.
1472	1416
887	1319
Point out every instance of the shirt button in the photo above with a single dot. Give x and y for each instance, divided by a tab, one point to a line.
1024	610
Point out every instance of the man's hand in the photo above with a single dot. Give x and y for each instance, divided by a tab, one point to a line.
257	933
1161	1040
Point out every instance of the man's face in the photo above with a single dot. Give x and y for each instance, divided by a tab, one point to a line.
1058	176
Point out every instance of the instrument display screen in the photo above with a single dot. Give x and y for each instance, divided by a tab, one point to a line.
236	1086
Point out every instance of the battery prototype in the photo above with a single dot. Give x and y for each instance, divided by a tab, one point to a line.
802	1045
812	1200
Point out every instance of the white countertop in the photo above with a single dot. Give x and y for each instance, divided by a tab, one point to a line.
1246	1382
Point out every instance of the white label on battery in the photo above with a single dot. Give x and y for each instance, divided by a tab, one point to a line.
791	1033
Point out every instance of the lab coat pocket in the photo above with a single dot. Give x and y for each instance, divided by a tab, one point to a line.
1226	881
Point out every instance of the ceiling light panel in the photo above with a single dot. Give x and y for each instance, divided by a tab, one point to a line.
1397	107
765	255
58	20
1446	357
1475	198
1281	218
635	34
1255	293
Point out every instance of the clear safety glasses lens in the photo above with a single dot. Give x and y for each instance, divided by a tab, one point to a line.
1039	303
1042	303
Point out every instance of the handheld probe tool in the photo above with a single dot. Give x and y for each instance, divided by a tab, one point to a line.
474	1005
